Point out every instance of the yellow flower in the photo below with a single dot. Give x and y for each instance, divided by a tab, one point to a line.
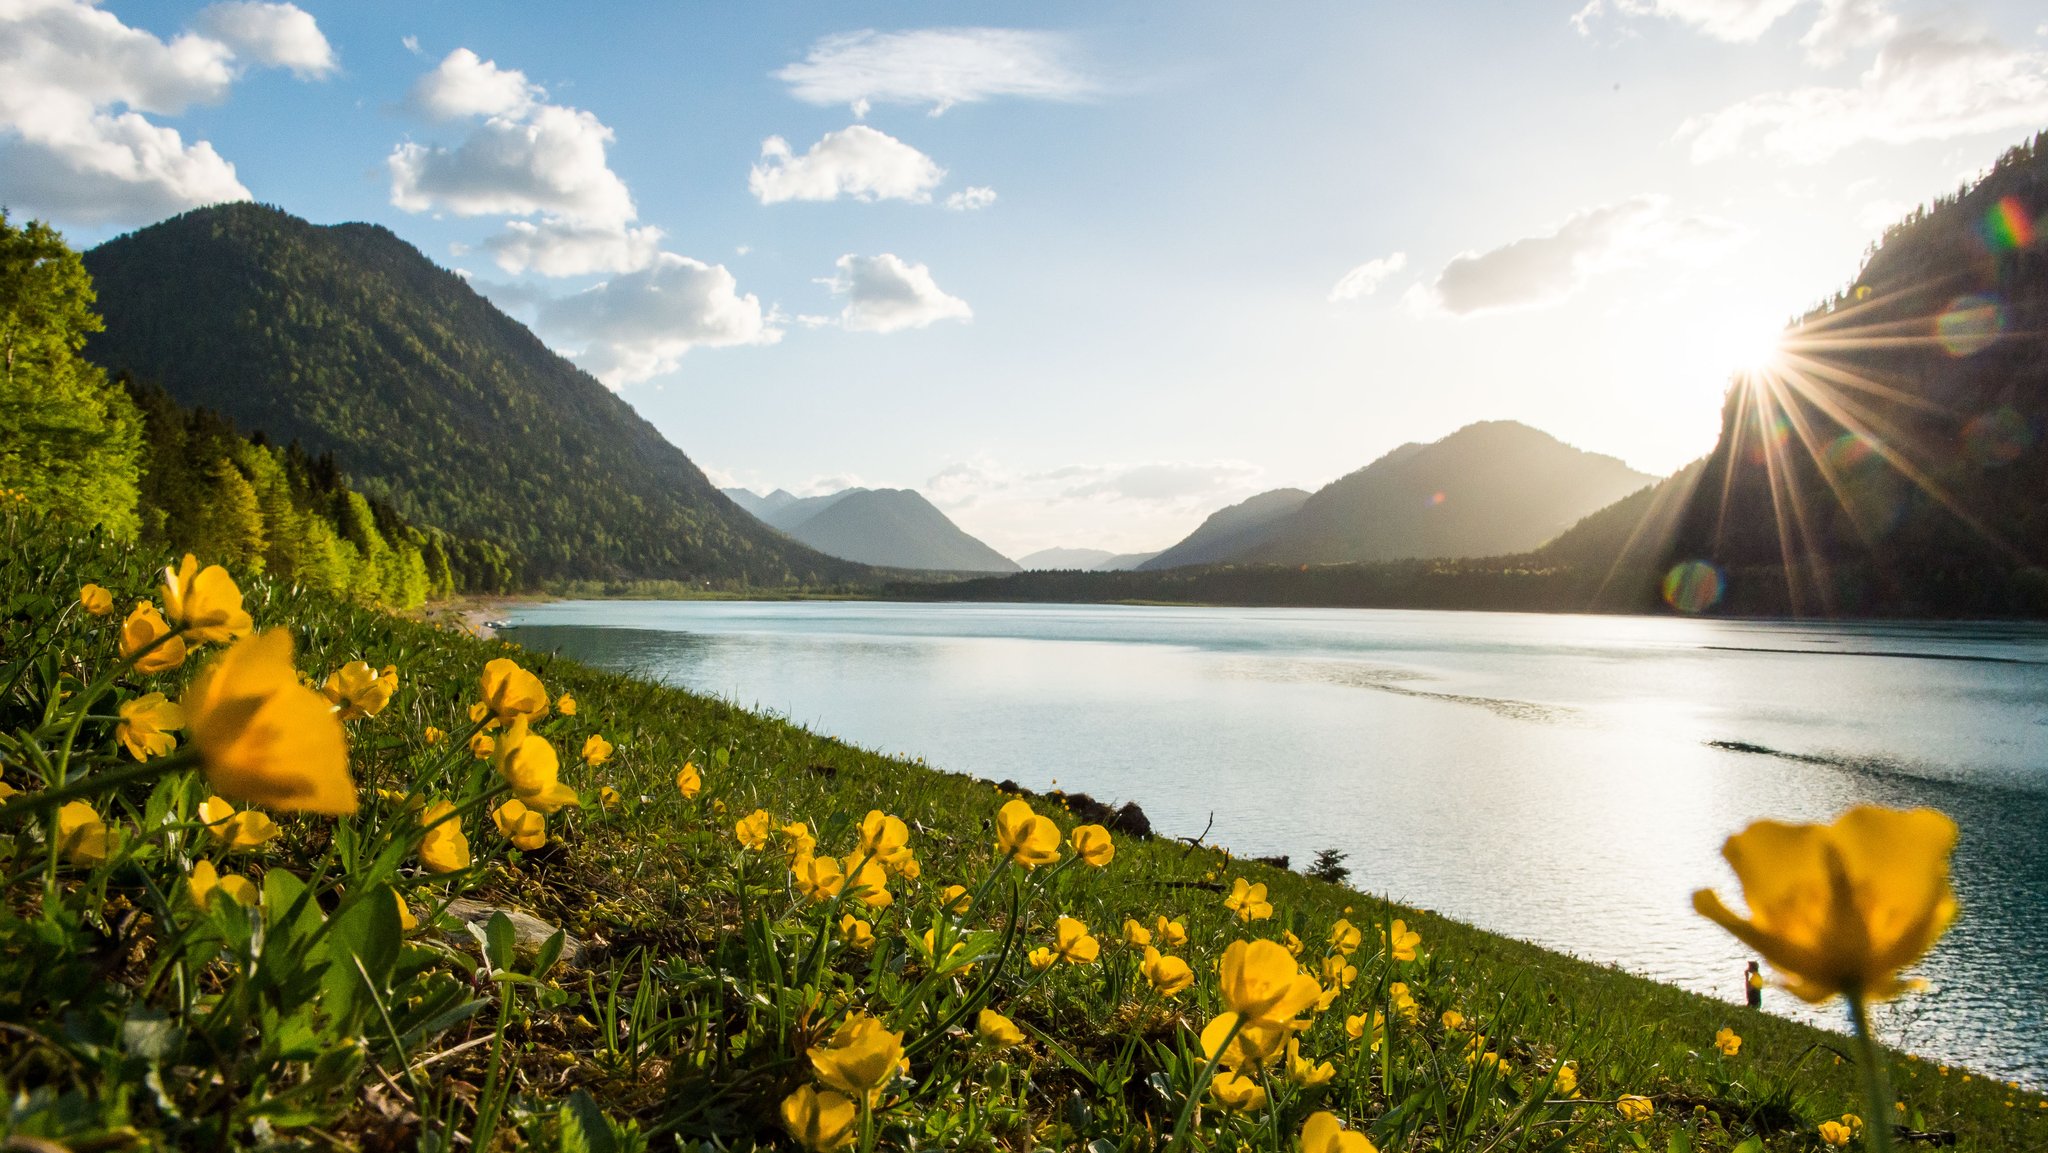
1452	1020
796	839
147	723
265	737
689	782
956	900
1171	934
357	690
752	829
1345	938
143	628
82	837
869	878
883	837
1237	1094
818	878
565	705
596	750
1728	1042
1025	837
96	600
1248	901
1169	975
432	736
524	827
1337	971
1092	844
822	1122
1136	934
906	867
861	1059
204	603
510	692
444	849
1261	982
607	796
204	881
1635	1110
1403	1002
248	829
1042	959
997	1031
1361	1028
1835	1134
529	764
931	952
1842	908
1290	942
406	921
1401	942
1305	1071
482	745
856	932
1566	1082
1073	942
1323	1133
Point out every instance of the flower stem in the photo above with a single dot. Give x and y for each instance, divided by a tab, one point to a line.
42	801
1877	1124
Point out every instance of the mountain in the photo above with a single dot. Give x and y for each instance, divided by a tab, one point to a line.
347	340
1124	561
1892	460
888	527
1064	558
1229	532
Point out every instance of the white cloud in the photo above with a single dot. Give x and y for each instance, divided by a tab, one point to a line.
277	35
1734	20
855	161
465	85
971	198
1365	279
411	43
886	294
550	160
1545	269
1846	24
640	324
1926	84
1173	482
940	67
558	246
1126	506
78	88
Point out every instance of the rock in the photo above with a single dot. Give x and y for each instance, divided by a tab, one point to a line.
529	931
1131	821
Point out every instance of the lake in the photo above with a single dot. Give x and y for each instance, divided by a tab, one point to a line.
1563	779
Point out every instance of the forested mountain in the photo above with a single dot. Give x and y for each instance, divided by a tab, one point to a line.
1892	462
347	340
1059	559
887	527
1233	531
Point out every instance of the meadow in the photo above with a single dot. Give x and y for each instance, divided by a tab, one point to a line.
283	871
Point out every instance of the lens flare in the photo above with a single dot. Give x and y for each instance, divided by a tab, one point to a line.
2008	227
1693	586
1970	324
1437	498
2000	436
1849	452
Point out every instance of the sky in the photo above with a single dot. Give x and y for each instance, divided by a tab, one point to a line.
1081	273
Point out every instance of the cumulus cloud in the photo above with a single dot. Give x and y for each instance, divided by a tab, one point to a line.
1156	485
78	89
1846	24
464	84
886	294
1840	24
971	198
562	247
1926	84
939	67
855	161
640	324
1365	279
1545	269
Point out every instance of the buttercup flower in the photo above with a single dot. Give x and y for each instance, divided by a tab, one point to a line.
1042	959
870	879
204	881
1345	938
1248	901
997	1031
1323	1133
1566	1083
596	750
822	1122
1727	1042
1452	1020
1401	941
1025	837
525	828
861	1059
82	837
529	764
1237	1094
1136	934
752	829
358	690
510	692
883	837
406	921
1834	1134
607	796
956	900
482	745
1169	975
444	849
689	782
818	878
1306	1071
1092	844
1360	1028
263	736
143	628
856	932
96	600
247	829
146	725
1842	908
1261	982
1403	1001
204	603
1073	942
796	839
1171	934
432	736
566	705
1635	1110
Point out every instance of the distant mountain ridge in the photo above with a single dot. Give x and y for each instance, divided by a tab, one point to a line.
348	340
1233	531
885	527
1083	560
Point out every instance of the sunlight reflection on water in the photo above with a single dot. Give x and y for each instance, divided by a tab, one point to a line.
1548	777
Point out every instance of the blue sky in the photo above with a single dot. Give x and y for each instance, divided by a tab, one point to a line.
1081	273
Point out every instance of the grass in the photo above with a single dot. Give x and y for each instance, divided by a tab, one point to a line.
698	979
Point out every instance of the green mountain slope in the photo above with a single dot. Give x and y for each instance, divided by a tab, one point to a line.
889	527
348	340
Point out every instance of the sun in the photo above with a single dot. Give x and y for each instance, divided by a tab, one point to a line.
1743	344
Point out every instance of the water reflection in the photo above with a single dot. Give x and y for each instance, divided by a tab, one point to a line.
1567	780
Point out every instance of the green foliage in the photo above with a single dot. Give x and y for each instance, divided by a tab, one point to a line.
68	442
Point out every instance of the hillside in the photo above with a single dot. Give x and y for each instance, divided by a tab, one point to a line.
1892	462
1049	559
1233	531
347	340
889	527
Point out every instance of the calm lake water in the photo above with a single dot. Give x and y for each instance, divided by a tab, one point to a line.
1554	778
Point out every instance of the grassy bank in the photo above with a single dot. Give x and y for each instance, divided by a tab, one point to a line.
702	975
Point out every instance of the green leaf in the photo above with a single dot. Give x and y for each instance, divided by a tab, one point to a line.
364	930
585	1128
550	951
499	939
